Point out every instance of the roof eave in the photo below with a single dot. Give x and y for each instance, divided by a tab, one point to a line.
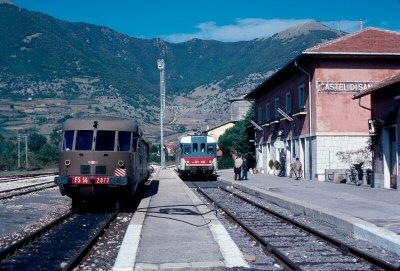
350	54
308	56
289	65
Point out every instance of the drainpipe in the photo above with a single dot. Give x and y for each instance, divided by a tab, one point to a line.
309	94
309	116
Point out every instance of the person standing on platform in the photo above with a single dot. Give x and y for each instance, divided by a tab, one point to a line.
245	168
283	166
238	167
298	168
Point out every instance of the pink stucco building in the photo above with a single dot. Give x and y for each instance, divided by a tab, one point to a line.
384	131
307	110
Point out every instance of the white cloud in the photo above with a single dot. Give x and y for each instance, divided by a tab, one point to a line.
251	28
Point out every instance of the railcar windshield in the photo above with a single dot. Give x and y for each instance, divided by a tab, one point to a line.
124	141
84	139
68	140
187	149
105	140
195	149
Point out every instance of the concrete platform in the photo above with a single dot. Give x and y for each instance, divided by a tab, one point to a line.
173	229
371	214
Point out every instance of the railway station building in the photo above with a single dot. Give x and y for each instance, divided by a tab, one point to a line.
306	109
384	128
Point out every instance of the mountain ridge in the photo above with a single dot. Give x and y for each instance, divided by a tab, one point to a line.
93	69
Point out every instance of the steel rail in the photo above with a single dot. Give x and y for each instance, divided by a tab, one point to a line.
337	243
345	248
29	238
78	254
13	178
25	187
50	185
267	246
86	248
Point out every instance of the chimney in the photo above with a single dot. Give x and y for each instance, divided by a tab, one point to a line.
361	24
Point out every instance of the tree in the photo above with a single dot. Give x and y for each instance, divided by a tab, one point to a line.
8	154
237	138
36	141
55	136
48	154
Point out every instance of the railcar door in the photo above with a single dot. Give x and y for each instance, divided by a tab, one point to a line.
135	158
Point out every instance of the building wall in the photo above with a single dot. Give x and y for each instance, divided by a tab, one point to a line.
239	109
352	117
338	123
218	131
386	109
336	111
326	150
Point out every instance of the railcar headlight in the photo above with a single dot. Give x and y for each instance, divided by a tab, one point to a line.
67	162
121	163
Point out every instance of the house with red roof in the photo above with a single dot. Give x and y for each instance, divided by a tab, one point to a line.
306	109
384	128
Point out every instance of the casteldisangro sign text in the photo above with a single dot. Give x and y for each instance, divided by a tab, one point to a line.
344	86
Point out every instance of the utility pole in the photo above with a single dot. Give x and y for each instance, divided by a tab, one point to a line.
19	149
161	66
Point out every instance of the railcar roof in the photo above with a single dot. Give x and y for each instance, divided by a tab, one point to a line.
103	123
188	139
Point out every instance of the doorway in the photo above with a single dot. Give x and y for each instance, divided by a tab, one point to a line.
390	157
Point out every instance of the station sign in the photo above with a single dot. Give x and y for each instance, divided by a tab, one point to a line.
344	86
279	144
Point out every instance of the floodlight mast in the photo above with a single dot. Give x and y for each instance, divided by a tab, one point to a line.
161	66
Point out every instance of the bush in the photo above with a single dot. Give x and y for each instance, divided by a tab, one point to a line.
271	164
277	165
225	162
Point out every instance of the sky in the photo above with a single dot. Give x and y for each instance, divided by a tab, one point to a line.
223	20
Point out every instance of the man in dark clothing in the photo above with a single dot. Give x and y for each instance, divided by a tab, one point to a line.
283	166
245	168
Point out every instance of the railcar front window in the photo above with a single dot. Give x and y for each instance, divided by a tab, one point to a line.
84	140
124	141
210	149
68	140
105	140
187	149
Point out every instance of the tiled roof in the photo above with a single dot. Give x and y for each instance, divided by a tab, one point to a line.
387	82
369	40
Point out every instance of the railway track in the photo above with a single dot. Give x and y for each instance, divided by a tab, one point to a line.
13	178
26	189
60	245
298	246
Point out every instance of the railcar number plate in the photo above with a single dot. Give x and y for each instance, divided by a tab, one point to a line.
86	180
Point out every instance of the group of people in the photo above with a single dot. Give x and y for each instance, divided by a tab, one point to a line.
242	166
